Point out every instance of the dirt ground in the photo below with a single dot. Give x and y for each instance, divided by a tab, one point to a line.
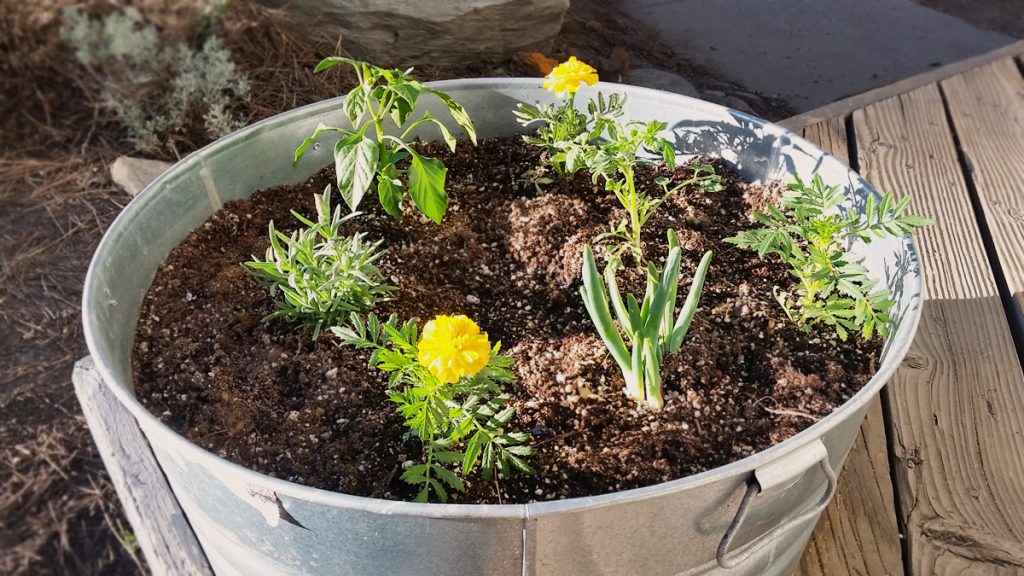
256	393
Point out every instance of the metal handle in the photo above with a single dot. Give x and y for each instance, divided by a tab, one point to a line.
753	489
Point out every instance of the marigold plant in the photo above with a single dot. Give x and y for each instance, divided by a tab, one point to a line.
562	128
811	233
446	383
569	76
608	148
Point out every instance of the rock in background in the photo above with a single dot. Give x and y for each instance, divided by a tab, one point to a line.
451	32
660	80
134	174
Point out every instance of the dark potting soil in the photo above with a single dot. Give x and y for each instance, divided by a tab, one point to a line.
265	395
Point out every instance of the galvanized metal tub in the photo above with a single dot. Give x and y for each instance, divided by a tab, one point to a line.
678	527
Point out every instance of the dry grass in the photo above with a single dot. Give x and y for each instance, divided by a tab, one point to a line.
57	510
58	513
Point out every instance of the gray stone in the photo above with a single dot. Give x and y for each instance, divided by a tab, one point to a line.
134	174
754	100
452	32
730	100
660	80
738	104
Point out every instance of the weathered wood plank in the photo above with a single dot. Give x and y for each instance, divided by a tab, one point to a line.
831	136
987	108
163	533
858	532
958	402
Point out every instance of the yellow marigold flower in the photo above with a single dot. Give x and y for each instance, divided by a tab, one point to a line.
567	76
452	347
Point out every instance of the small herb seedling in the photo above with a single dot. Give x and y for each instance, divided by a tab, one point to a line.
446	383
651	327
810	233
319	276
564	132
366	155
599	142
615	160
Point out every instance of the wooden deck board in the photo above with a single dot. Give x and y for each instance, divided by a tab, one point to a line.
958	402
858	533
986	106
830	136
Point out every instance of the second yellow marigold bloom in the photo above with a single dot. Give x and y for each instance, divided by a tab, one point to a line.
452	347
569	75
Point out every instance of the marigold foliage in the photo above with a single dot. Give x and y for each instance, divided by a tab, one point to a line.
810	232
461	424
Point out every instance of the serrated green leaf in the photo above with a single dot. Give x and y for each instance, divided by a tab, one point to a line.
520	450
447	456
449	478
488	461
472	454
911	221
519	463
439	490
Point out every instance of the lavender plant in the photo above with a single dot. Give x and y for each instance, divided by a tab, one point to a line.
317	275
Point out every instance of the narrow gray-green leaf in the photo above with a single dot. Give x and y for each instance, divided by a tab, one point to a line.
682	325
593	293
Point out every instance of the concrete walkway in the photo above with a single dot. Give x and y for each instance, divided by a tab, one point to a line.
813	52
